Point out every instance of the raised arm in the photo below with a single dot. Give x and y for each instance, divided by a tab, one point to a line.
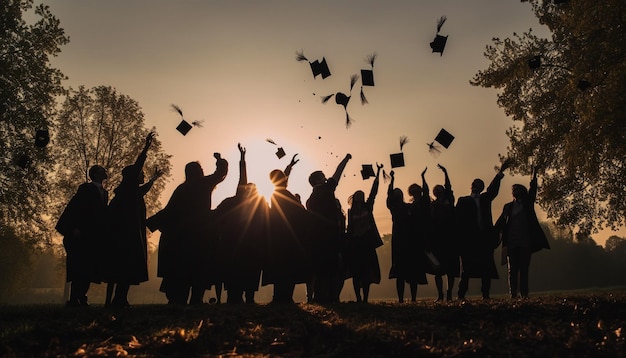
221	168
375	184
243	172
293	162
447	183
494	187
341	167
390	189
425	190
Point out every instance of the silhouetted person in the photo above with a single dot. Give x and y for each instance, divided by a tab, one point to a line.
420	228
362	240
479	239
404	267
84	225
288	247
242	221
444	242
521	235
128	263
329	235
188	246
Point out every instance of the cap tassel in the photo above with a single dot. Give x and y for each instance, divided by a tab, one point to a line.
270	140
353	80
371	58
349	120
300	56
386	176
363	99
326	98
198	123
440	23
403	140
433	149
177	109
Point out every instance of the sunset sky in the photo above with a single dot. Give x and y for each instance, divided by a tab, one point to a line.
232	64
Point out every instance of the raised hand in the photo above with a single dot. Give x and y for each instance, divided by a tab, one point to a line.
443	169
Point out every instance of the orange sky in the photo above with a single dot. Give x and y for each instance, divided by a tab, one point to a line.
232	64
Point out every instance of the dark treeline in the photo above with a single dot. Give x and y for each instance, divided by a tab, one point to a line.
571	264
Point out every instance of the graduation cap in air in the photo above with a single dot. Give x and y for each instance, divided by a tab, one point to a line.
367	76
397	159
367	171
343	99
439	43
444	138
280	152
184	127
317	67
42	138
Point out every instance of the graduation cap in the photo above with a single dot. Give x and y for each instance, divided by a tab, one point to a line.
42	138
184	127
280	152
535	62
444	138
317	67
397	159
343	99
439	43
367	171
367	76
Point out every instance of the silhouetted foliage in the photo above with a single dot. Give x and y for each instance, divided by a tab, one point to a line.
101	126
567	93
28	86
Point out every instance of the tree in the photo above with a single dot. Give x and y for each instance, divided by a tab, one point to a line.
101	126
28	86
567	94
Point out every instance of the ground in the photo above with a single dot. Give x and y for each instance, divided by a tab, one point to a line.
574	324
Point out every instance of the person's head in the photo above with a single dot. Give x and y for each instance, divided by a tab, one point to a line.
130	170
97	173
193	170
317	178
278	178
439	191
415	190
519	191
357	198
397	195
478	186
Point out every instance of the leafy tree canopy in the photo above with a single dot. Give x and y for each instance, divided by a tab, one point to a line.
566	95
103	127
28	86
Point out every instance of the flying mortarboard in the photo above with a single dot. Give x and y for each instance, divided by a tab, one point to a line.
444	138
317	67
280	152
367	171
184	127
343	99
42	138
397	159
439	43
367	76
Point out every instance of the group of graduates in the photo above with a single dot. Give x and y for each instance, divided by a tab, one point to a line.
246	242
435	236
106	242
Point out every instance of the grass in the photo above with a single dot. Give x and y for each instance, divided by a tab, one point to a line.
570	324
